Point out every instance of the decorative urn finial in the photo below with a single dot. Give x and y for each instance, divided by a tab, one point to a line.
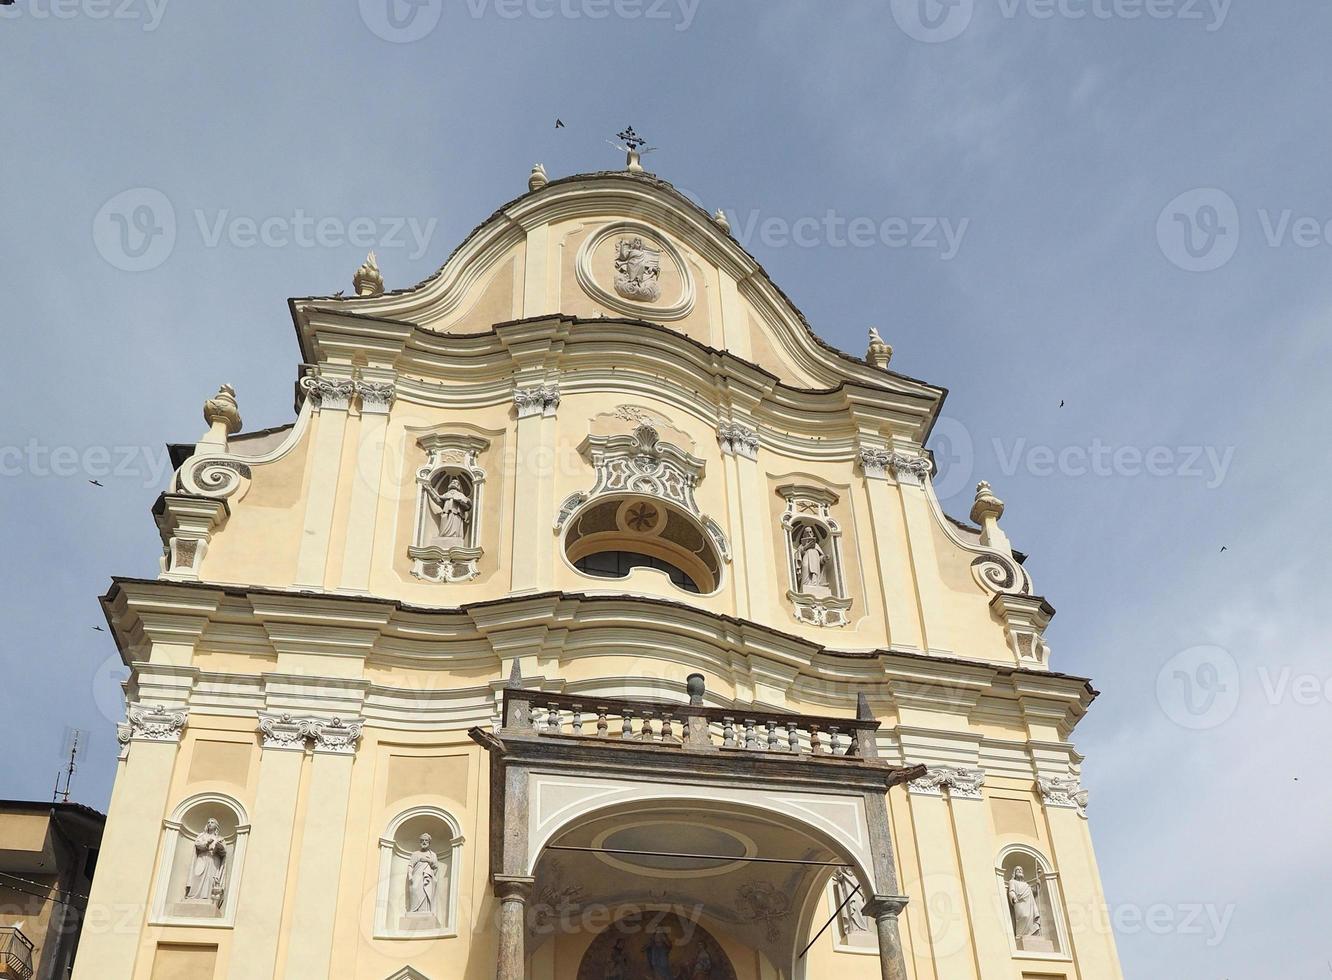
222	410
696	685
538	178
723	222
368	281
987	505
880	354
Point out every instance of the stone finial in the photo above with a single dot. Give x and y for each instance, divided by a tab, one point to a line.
221	411
538	178
986	512
368	281
863	710
697	686
879	353
515	675
723	222
987	505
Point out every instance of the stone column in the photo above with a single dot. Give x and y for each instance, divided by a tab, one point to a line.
511	956
886	909
534	487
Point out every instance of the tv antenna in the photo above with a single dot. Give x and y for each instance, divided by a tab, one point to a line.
74	741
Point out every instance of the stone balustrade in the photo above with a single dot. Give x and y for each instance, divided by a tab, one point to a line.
690	726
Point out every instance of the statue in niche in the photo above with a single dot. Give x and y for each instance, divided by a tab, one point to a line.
1022	896
811	563
206	879
422	880
451	511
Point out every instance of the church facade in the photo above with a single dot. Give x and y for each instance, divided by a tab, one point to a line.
593	620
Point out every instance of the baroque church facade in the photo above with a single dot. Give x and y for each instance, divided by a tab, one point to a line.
594	620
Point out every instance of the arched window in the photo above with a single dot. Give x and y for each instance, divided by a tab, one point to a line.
419	857
615	535
1030	893
200	861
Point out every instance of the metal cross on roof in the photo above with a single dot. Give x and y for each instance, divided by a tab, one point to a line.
630	139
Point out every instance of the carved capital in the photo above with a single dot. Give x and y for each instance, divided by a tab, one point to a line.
882	907
1064	793
376	396
331	393
878	464
151	723
738	440
282	731
513	888
336	736
541	400
961	783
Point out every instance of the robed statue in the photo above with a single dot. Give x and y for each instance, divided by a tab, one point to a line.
451	510
1022	896
811	563
422	879
206	879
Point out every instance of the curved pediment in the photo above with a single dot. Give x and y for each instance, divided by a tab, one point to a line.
623	245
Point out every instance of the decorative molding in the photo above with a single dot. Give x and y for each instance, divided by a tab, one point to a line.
543	400
186	523
877	464
1025	619
641	463
569	508
1064	793
151	723
330	393
738	440
961	783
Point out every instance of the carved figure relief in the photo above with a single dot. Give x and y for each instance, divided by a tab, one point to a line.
422	886
207	876
1031	901
1022	898
637	270
817	589
446	547
418	878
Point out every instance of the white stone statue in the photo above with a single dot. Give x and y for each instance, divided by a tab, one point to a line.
452	512
422	879
1022	896
811	563
206	879
852	903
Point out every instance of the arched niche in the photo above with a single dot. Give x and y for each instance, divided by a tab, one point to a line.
816	577
1029	891
446	542
654	944
417	895
200	861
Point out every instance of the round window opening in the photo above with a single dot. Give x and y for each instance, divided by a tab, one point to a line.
614	537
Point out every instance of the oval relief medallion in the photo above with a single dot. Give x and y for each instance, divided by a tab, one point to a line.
632	269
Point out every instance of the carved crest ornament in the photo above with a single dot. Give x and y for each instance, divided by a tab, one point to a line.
637	270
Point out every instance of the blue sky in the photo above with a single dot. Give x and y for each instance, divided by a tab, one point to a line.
1137	211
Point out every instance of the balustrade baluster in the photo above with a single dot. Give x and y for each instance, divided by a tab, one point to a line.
751	737
774	745
627	724
603	726
793	737
835	739
577	719
553	719
728	733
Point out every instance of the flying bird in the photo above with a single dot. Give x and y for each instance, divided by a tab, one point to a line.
1224	549
96	483
1061	403
559	124
99	629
